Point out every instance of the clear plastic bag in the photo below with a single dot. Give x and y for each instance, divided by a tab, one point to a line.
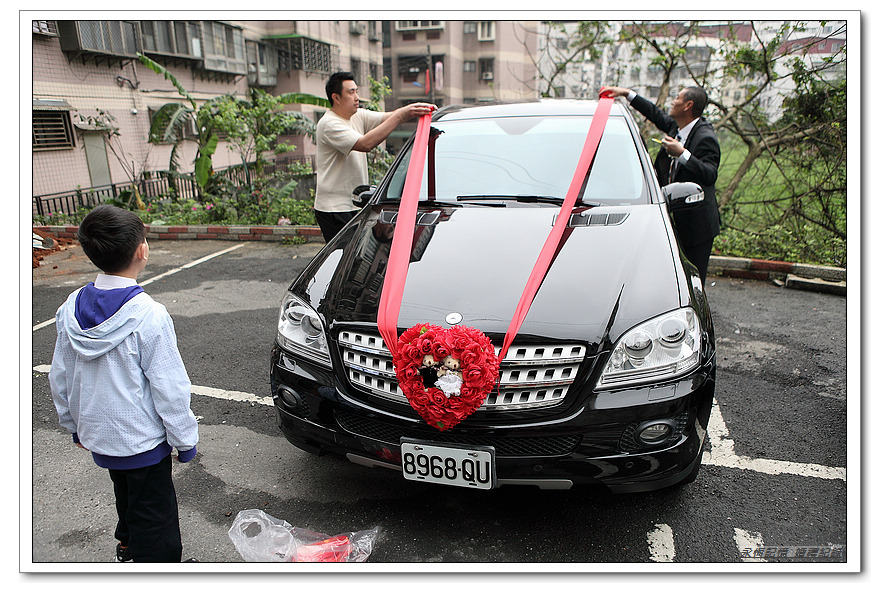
260	537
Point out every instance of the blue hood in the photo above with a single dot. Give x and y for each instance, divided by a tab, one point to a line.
89	304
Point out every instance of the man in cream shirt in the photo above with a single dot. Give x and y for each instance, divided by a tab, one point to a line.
345	134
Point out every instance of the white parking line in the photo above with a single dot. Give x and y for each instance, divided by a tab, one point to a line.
201	260
661	543
723	455
238	396
748	540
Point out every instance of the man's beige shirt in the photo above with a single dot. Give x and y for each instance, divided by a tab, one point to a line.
341	169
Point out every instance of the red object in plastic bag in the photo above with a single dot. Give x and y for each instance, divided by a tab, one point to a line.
332	549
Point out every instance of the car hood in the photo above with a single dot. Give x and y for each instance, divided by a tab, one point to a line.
614	269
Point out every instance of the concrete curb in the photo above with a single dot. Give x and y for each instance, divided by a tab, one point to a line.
797	276
215	232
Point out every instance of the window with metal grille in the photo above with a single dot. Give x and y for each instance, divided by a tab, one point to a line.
115	37
487	69
419	25
45	27
312	55
52	130
224	48
171	37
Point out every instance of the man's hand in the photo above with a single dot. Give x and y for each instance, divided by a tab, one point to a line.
614	91
416	110
673	147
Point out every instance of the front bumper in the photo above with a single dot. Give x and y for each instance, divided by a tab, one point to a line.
590	445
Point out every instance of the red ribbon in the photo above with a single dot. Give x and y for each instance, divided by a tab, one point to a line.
401	244
578	183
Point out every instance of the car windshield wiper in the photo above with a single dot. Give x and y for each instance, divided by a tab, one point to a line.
522	198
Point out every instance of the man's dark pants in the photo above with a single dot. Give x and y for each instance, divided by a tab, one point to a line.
147	507
699	255
332	222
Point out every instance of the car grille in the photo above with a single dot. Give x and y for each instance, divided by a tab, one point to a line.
530	376
505	446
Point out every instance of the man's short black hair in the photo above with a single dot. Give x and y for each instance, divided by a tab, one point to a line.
699	97
334	84
109	236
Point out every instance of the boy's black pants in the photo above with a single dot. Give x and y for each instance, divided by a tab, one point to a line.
147	507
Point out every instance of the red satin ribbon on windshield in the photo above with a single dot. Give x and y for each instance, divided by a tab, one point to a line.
401	244
545	258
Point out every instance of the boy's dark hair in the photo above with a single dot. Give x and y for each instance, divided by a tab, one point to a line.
334	84
699	97
109	236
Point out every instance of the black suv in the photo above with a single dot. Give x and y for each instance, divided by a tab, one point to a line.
611	377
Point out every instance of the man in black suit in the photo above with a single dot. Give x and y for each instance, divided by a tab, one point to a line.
690	152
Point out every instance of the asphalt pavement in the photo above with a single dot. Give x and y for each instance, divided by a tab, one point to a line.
782	438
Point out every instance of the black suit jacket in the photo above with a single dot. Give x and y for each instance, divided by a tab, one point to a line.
702	223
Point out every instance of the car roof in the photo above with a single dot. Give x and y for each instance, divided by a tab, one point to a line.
539	107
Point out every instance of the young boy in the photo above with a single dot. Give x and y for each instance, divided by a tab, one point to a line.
120	387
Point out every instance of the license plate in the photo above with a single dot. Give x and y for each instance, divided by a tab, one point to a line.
470	467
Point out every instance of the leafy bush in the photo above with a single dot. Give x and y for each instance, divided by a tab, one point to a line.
779	243
253	208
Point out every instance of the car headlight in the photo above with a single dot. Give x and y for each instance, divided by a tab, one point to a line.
300	331
662	348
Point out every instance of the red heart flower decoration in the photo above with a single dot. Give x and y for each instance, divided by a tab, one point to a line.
445	373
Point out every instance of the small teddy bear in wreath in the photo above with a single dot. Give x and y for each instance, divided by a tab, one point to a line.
449	377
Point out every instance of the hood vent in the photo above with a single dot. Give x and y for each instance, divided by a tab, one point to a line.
422	218
587	219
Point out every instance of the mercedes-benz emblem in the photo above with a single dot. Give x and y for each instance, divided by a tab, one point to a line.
453	318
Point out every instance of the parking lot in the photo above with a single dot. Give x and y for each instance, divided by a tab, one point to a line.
773	488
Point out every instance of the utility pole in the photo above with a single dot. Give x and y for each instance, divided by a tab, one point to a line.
428	75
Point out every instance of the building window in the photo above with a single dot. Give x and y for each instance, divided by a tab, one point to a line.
470	66
45	28
119	38
309	55
373	31
418	25
358	71
224	48
172	37
52	130
486	31
487	69
470	27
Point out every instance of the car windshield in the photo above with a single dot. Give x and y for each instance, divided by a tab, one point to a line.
533	158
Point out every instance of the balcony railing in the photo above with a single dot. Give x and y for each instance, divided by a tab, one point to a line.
183	186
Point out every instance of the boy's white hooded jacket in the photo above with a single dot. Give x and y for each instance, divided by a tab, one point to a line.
121	387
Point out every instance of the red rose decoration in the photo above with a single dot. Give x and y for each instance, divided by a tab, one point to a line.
445	373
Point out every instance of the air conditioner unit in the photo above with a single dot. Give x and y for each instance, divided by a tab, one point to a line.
356	28
488	75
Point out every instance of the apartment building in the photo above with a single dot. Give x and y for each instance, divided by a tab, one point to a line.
458	62
86	75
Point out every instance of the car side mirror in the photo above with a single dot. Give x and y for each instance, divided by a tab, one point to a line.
362	194
683	194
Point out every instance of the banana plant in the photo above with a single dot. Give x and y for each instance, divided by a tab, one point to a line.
170	120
